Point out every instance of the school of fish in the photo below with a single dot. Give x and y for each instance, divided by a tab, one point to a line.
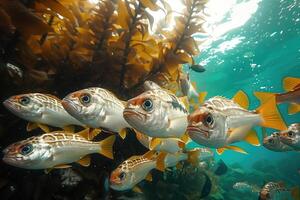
164	123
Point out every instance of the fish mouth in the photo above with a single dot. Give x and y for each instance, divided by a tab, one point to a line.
10	105
129	113
196	129
70	106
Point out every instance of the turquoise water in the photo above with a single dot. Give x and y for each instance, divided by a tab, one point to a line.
255	57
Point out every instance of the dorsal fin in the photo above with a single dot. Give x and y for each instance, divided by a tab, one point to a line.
241	98
291	83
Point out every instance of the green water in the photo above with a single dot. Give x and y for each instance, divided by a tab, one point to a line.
255	57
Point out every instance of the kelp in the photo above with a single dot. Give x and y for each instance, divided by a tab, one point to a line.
111	43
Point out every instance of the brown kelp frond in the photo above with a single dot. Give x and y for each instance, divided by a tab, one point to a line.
111	43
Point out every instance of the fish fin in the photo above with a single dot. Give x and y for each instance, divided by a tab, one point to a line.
149	177
85	133
185	138
149	154
31	126
220	151
201	97
154	143
70	129
295	192
62	166
290	83
252	138
193	157
181	144
271	116
106	146
236	148
44	127
263	97
293	108
54	97
94	133
137	189
123	133
179	165
185	101
242	99
160	162
85	161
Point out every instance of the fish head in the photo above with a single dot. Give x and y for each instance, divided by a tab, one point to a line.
26	106
85	106
272	142
147	112
122	178
205	125
292	135
28	154
264	195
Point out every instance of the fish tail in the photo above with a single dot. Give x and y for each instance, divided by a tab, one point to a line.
106	146
271	115
293	108
295	193
290	83
263	97
252	138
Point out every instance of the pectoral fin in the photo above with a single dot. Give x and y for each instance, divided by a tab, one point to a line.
44	127
137	189
160	163
154	143
31	126
293	108
123	133
149	177
69	129
252	138
85	161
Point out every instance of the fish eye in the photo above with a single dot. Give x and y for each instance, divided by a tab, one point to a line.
147	105
209	120
24	100
122	175
26	149
291	133
271	141
85	98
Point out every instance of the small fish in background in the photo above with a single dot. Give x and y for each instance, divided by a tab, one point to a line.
274	143
221	168
69	177
278	191
291	136
56	150
292	95
186	86
158	113
41	110
168	145
97	108
245	187
219	122
14	71
197	68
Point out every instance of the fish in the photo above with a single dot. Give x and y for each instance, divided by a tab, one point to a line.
277	191
56	150
186	86
14	71
169	145
221	168
97	108
137	168
219	122
291	136
40	109
157	113
245	187
292	95
198	68
274	143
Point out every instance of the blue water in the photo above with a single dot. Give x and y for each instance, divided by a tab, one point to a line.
255	57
